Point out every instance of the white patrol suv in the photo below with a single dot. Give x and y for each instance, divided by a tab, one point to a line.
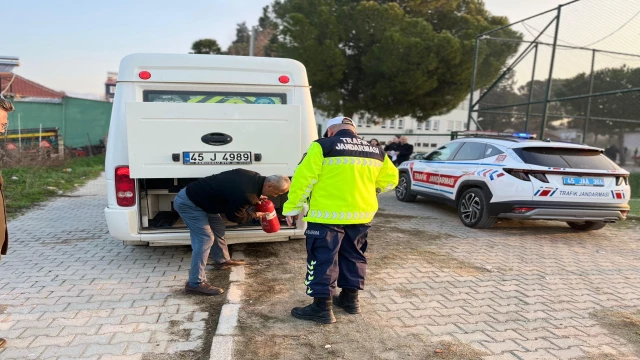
513	177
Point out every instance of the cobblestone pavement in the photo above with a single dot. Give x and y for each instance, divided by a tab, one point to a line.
523	290
68	290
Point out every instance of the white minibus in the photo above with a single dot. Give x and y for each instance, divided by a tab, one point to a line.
177	118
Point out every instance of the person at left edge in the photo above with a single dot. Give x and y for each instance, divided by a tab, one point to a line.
5	108
233	193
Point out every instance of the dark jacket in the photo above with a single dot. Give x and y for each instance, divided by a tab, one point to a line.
404	153
391	147
4	235
339	178
232	193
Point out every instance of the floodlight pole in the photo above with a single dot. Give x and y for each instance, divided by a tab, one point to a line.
473	82
586	121
533	78
553	59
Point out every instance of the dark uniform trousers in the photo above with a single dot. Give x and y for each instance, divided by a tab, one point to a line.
335	256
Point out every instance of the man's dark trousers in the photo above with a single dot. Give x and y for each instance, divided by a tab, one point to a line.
335	256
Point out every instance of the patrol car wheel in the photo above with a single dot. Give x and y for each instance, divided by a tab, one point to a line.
472	210
403	190
586	225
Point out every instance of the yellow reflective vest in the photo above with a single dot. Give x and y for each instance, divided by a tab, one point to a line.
340	178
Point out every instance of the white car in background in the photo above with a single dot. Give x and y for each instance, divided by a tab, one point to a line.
487	178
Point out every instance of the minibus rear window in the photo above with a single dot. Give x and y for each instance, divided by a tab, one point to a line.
202	97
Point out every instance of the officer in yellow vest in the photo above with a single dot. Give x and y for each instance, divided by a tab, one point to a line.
340	177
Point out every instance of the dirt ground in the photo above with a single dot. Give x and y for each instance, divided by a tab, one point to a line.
275	284
438	290
624	324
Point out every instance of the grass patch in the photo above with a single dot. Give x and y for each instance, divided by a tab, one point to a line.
634	181
28	185
635	207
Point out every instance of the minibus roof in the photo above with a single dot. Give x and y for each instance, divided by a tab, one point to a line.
212	69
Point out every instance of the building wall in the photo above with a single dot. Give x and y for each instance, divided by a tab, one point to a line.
425	136
74	117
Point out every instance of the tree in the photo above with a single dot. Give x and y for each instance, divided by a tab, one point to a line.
265	32
240	46
267	39
390	58
267	21
515	118
206	46
503	119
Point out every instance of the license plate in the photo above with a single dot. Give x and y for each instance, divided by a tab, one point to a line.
581	181
217	158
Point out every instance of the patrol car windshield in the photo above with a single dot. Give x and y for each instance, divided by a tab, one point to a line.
203	97
445	152
566	158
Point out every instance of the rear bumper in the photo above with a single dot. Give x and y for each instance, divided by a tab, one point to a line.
123	225
565	211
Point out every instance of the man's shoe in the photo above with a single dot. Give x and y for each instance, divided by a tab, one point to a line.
348	301
3	342
229	263
319	311
203	289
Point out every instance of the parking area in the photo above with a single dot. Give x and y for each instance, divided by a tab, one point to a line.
68	290
435	289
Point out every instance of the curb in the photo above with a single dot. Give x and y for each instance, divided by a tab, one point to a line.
222	342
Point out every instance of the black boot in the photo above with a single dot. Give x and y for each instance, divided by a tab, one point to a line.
319	311
348	300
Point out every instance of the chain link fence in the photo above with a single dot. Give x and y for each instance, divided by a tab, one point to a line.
575	77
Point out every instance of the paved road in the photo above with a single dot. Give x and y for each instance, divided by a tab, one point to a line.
523	290
544	283
68	290
519	291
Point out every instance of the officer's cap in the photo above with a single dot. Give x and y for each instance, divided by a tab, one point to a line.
336	121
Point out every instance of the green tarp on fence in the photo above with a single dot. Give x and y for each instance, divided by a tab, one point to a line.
74	117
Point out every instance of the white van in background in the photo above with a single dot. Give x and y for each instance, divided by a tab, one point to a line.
177	118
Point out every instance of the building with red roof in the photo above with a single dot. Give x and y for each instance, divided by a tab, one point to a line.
80	121
21	89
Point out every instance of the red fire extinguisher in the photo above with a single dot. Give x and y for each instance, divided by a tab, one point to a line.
270	223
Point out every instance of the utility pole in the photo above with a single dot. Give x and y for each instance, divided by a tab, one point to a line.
252	42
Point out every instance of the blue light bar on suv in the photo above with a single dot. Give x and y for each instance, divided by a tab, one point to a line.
524	136
495	134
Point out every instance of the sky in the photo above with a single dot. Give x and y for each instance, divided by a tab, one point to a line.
70	45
